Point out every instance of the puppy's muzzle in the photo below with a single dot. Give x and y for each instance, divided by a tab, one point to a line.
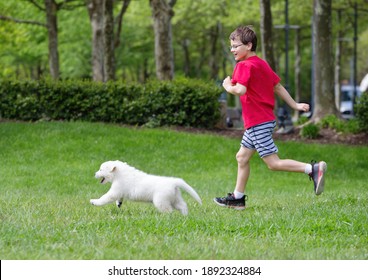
98	176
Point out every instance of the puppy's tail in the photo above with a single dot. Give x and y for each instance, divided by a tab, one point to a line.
182	184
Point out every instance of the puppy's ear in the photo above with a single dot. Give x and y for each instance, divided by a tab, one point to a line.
113	169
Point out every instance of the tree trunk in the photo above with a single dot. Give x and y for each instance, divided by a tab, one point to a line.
323	66
186	56
51	21
162	13
266	37
119	20
202	54
297	71
96	12
109	59
266	33
213	60
338	63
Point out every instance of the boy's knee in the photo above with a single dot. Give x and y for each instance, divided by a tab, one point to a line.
241	158
273	165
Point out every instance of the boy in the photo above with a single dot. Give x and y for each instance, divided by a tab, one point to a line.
255	82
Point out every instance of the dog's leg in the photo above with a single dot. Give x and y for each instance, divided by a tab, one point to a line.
162	205
119	202
180	204
105	199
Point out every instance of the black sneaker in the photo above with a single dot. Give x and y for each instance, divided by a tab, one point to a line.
318	176
231	202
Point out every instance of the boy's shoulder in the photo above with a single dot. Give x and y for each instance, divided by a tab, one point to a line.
253	60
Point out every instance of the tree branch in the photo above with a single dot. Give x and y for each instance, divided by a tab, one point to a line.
6	18
69	5
120	20
172	3
37	5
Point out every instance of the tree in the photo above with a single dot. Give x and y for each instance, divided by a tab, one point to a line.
213	60
95	11
337	72
112	39
266	33
24	47
51	9
104	41
162	12
323	64
266	27
109	58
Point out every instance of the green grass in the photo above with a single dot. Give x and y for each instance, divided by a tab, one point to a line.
47	178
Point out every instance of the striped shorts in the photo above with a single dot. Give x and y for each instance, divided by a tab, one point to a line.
259	138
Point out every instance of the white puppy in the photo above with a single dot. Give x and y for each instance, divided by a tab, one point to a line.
132	184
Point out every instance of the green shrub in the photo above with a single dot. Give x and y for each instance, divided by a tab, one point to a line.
353	126
340	125
310	131
301	120
333	122
362	112
181	102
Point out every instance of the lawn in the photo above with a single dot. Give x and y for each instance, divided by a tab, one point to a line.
47	178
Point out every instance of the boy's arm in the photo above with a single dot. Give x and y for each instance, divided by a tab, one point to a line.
284	95
236	89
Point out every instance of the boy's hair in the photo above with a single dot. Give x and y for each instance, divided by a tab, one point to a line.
246	35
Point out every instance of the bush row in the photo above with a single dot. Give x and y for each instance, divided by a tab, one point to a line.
183	102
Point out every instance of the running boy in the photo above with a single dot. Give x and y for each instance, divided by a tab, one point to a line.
255	82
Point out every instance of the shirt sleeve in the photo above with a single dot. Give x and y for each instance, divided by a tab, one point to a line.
276	79
241	74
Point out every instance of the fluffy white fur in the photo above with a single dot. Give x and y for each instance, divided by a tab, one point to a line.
132	184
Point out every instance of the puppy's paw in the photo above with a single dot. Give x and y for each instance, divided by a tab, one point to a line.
119	203
93	201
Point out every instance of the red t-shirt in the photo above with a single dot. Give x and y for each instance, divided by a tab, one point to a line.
258	101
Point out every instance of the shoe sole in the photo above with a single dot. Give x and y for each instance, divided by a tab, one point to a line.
229	206
322	167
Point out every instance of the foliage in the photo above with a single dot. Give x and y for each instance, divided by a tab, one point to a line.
181	102
340	125
302	120
310	131
362	112
47	178
24	46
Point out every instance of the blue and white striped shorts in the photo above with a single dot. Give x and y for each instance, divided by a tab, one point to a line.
259	138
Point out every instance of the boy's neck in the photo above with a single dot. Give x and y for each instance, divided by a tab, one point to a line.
251	54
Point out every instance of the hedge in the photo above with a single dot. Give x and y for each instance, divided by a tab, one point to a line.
183	102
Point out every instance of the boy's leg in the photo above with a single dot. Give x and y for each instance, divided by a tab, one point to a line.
275	163
243	156
316	171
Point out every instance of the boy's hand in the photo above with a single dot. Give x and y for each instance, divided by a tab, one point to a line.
302	107
227	82
236	89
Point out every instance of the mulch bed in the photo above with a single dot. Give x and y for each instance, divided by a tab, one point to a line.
326	136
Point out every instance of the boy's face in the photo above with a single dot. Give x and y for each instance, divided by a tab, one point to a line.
239	50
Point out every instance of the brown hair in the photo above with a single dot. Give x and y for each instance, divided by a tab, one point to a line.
246	35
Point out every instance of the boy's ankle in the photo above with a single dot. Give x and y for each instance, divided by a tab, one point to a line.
238	195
